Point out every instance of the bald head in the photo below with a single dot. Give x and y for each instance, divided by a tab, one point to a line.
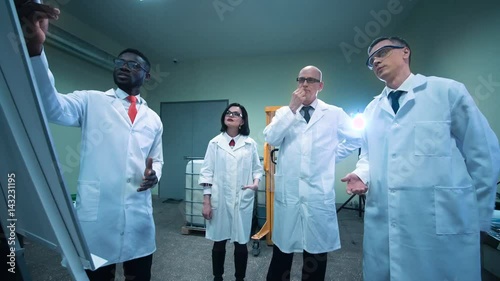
310	81
312	70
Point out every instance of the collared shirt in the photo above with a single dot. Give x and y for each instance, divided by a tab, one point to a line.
313	106
406	86
123	97
229	138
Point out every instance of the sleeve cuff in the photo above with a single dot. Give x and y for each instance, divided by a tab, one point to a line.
207	191
363	176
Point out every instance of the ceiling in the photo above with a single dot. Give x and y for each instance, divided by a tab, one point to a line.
193	29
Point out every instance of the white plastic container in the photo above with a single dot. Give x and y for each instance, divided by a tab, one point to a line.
194	195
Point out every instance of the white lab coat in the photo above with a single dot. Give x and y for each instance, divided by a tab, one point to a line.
116	220
425	204
305	216
228	169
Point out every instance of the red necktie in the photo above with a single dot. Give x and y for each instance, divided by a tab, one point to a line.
132	110
231	143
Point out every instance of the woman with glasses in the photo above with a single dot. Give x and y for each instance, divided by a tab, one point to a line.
230	175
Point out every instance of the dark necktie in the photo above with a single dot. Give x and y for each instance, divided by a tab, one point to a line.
394	96
231	143
305	110
132	110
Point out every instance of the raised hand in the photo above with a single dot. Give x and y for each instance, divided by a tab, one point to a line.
34	19
298	97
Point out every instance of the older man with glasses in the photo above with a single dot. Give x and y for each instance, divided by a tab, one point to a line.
429	165
121	153
311	136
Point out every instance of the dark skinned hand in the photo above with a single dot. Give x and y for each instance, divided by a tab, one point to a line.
150	178
34	19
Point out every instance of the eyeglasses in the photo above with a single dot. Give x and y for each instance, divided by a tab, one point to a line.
309	80
234	114
381	53
132	65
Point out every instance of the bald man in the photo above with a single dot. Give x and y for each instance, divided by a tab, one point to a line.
308	132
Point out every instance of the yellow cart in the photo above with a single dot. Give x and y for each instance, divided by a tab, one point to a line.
269	168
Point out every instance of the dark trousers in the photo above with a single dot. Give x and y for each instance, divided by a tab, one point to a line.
134	270
240	260
313	268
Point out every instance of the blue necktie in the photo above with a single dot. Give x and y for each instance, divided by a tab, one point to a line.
394	96
305	109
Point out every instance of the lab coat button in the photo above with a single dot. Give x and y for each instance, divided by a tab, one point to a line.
128	180
393	155
121	233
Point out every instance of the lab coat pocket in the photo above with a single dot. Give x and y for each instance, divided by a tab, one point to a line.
279	190
432	138
87	200
247	197
456	210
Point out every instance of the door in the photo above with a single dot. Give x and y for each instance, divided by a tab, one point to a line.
187	128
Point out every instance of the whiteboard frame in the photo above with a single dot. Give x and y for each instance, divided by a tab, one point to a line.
44	209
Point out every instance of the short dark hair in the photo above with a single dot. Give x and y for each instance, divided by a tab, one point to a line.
244	129
395	40
137	52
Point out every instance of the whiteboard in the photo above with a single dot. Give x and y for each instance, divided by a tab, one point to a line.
42	209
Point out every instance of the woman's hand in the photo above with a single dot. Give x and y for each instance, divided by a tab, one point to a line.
207	207
252	187
207	211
